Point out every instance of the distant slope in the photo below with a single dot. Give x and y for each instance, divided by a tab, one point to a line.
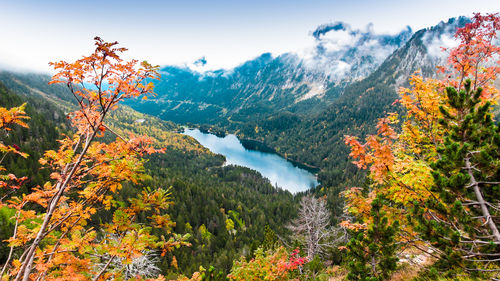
56	100
45	125
360	104
298	106
319	140
302	84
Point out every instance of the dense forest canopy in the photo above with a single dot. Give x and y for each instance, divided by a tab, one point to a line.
91	189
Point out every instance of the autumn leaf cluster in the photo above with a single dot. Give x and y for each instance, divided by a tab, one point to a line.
406	154
56	236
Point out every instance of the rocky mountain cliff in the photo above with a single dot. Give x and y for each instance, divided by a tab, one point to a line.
302	83
294	103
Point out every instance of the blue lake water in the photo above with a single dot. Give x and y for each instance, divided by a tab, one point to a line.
278	170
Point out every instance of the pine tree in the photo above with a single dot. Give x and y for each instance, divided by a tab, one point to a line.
372	252
463	221
270	241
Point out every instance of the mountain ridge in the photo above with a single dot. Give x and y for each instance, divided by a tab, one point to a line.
269	84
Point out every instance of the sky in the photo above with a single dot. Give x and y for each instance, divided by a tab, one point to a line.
225	32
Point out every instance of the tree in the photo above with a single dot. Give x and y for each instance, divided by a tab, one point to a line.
463	224
270	241
462	220
372	252
9	117
270	265
442	165
9	183
312	226
61	241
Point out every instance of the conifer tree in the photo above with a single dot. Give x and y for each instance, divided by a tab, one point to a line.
270	241
372	252
463	223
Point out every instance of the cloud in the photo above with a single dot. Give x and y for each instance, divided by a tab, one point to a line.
22	68
435	45
335	51
199	66
339	50
336	41
442	36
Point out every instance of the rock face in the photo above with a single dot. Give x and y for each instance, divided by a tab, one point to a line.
301	83
300	105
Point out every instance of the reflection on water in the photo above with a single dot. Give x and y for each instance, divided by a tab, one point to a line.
277	169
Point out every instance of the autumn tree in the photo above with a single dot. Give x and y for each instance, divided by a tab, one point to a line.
463	224
59	243
418	167
9	182
270	265
462	220
9	117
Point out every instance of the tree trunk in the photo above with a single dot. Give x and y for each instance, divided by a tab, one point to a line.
482	203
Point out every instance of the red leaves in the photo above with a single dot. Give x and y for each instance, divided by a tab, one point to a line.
295	260
477	47
270	265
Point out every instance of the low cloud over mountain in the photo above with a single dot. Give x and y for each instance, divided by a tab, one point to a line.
339	50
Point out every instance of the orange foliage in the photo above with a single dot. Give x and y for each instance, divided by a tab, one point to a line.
271	265
58	244
9	117
399	163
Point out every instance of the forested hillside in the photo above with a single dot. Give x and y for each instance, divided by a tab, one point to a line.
317	141
309	131
407	153
205	194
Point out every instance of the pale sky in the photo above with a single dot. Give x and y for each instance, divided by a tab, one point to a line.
227	33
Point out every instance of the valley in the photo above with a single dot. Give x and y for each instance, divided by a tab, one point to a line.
343	162
279	171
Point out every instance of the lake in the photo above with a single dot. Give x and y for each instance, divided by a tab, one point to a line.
277	169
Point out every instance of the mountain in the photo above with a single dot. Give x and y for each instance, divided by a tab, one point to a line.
299	104
300	83
295	104
312	130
